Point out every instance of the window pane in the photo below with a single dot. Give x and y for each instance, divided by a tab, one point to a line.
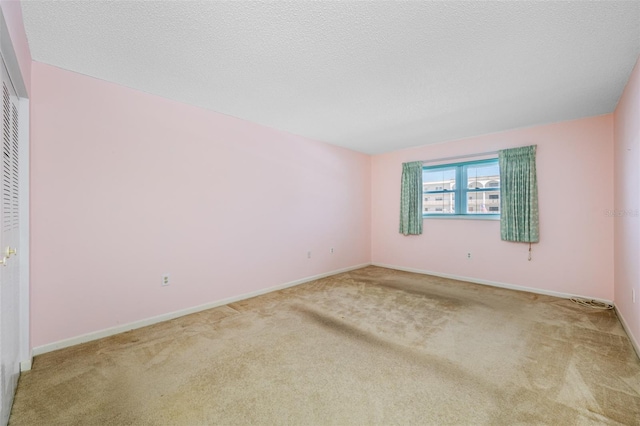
478	192
483	202
438	180
483	176
439	203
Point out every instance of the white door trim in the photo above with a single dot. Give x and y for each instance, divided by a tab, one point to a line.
23	200
11	61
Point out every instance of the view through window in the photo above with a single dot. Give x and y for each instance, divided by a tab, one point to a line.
459	189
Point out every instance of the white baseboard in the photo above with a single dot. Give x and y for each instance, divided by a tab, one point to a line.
26	365
171	315
634	342
493	283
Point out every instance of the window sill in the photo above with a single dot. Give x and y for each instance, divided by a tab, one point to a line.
463	216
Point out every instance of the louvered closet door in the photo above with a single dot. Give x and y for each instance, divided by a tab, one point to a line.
9	252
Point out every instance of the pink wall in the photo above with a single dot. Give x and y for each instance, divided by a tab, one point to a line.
575	181
627	203
12	12
127	186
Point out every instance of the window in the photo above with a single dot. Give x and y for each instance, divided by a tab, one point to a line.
462	189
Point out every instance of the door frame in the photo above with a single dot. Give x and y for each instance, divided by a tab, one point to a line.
11	61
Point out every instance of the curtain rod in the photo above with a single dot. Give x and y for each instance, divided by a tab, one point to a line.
457	157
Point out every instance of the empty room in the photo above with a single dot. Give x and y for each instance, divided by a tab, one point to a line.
320	213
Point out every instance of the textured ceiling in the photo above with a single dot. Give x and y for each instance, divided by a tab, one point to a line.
371	76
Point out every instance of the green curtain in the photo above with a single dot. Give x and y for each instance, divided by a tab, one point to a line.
411	199
519	195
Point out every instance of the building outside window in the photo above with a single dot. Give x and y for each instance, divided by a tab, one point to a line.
462	189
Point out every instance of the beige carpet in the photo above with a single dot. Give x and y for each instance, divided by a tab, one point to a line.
372	346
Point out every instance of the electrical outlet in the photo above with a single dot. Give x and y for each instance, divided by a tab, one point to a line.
468	255
331	250
309	255
165	279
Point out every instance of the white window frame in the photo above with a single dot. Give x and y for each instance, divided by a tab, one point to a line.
461	191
